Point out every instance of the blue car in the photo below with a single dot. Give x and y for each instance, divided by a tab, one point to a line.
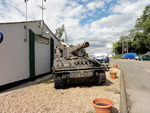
129	55
102	59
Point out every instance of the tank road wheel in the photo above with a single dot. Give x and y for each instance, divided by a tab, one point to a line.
58	82
100	79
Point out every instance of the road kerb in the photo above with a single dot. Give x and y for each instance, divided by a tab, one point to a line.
123	99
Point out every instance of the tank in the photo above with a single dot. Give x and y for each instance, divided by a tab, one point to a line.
73	66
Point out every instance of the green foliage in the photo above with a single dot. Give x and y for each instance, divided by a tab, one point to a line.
138	39
59	33
117	47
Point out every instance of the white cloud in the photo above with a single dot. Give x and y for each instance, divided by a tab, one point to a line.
99	32
108	1
95	4
127	6
112	20
84	0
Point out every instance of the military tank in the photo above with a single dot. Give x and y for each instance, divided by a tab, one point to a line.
73	66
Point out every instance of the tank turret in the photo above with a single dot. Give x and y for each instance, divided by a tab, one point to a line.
72	66
77	48
63	51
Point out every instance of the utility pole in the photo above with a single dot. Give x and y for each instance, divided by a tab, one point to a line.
122	48
25	40
42	21
127	47
42	17
26	10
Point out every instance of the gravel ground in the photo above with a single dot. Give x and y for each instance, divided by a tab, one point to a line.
42	97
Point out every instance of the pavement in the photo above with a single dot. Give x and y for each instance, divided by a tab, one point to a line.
29	83
136	79
123	99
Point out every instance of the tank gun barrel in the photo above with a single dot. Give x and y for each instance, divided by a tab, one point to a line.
84	45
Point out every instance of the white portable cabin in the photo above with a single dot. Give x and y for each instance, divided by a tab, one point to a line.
26	51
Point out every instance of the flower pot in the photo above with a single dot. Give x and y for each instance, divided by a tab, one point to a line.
113	75
115	66
102	105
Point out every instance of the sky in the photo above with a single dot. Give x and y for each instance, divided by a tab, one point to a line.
101	22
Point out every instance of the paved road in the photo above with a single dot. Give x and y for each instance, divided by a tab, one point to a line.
137	84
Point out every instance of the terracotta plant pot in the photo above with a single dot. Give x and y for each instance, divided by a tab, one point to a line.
115	66
113	75
102	105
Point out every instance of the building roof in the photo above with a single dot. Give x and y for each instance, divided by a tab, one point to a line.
21	22
31	22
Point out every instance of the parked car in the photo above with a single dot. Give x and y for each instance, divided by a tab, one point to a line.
129	55
137	57
102	59
146	57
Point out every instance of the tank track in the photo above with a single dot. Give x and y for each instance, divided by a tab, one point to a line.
58	82
100	79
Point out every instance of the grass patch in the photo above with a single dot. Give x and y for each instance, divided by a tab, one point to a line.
117	56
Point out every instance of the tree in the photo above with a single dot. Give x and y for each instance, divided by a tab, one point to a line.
138	39
59	33
142	27
138	43
123	45
117	47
